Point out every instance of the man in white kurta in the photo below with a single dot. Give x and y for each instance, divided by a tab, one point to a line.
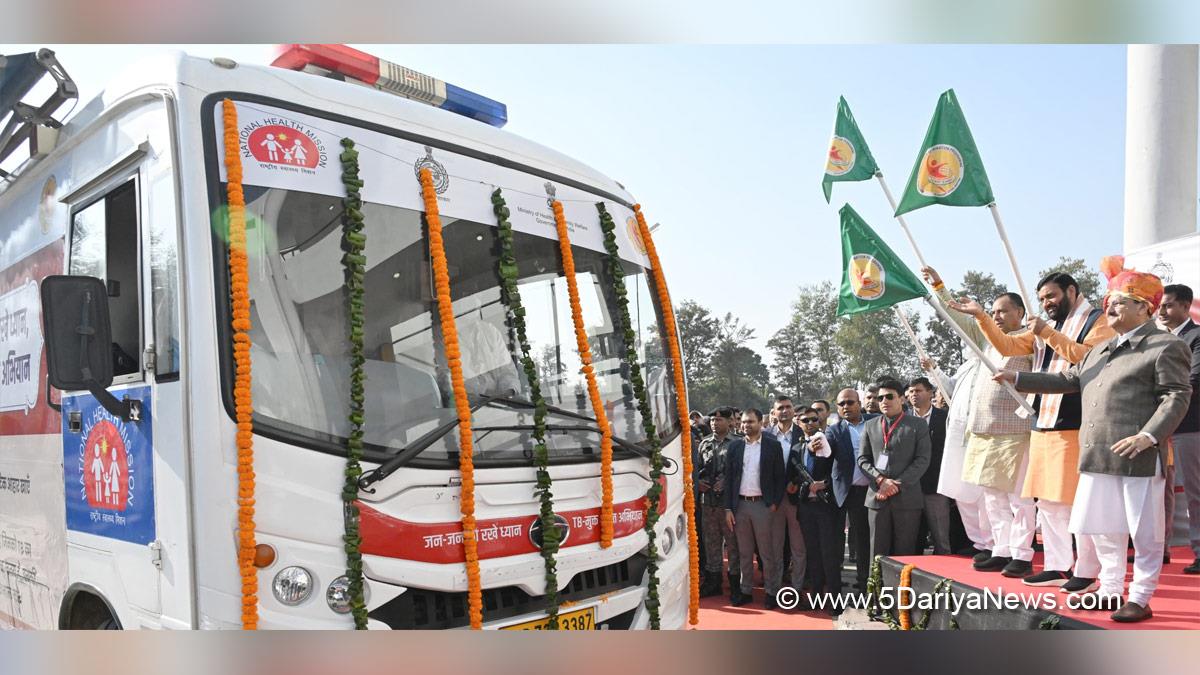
1135	392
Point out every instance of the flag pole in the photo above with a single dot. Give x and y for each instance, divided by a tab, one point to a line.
903	225
921	355
941	311
1012	260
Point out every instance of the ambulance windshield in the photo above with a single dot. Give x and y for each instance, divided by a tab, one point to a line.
300	350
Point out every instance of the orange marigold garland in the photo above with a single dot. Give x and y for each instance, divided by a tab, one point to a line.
466	466
585	357
685	437
905	583
239	282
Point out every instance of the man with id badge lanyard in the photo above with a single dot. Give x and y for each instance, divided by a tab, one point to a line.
896	451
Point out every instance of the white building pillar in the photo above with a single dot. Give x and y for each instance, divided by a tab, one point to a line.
1160	143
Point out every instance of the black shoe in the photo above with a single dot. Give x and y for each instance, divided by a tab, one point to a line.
1194	568
735	585
981	556
1131	612
711	586
738	598
1047	578
770	603
1080	585
992	564
1017	569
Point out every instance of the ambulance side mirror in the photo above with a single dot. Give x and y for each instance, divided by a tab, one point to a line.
78	335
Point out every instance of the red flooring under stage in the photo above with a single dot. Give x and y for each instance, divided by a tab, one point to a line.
1176	603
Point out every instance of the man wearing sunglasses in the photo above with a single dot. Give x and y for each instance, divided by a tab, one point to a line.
849	483
895	454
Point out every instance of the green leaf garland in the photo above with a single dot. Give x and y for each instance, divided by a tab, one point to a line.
509	274
354	241
654	494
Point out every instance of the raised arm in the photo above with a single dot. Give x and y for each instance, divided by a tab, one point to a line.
1066	346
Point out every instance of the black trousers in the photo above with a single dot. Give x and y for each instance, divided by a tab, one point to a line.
856	512
824	543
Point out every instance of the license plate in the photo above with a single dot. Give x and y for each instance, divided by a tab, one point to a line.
580	619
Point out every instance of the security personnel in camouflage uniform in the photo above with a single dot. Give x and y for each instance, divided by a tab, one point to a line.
717	535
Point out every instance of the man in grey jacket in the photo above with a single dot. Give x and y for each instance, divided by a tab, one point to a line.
895	452
1135	392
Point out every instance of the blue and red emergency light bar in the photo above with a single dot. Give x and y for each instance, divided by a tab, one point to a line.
388	76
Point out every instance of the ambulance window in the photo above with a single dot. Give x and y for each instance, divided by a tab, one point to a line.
104	244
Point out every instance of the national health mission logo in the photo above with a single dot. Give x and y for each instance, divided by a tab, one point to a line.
867	277
941	171
841	157
109	469
282	143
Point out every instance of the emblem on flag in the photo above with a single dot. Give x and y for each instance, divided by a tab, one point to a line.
841	157
941	171
635	234
867	277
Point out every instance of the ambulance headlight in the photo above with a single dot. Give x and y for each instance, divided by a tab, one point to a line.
680	526
337	596
666	542
292	585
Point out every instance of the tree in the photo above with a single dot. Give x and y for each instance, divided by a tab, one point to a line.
1085	275
697	336
807	362
942	343
876	346
721	370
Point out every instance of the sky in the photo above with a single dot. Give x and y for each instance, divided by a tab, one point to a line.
725	146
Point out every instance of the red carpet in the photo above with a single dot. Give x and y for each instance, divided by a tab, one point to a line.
1176	603
717	614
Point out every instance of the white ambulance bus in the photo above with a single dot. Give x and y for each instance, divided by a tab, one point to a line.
118	491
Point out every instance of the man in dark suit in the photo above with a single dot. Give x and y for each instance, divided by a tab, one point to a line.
754	486
1185	443
895	454
936	512
849	483
785	532
810	479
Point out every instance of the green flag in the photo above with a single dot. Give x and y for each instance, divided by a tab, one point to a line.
873	277
849	157
948	169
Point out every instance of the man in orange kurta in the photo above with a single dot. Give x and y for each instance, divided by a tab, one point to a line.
1053	473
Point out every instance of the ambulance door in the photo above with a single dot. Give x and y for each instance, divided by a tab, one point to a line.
109	463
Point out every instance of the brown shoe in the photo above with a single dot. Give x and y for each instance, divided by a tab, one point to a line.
1131	612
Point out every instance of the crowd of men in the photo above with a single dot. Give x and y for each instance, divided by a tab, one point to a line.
962	468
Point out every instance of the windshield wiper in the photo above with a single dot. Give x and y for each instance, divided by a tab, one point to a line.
524	403
410	451
621	442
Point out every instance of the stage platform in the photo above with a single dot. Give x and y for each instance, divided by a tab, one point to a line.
1176	603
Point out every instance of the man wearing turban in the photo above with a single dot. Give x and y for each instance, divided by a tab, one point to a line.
1135	392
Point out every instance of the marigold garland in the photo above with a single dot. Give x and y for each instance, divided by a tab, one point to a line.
354	262
585	357
466	466
685	437
625	327
511	293
905	583
239	284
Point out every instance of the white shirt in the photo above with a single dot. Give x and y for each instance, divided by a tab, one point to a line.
1177	330
927	414
785	439
751	483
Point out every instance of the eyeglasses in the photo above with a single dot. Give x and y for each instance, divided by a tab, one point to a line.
810	420
889	397
843	404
